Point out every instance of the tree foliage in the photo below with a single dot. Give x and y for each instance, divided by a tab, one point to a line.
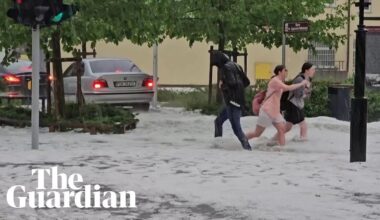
112	21
237	23
234	23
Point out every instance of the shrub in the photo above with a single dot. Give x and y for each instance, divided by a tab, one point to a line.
194	99
183	98
198	100
2	85
317	105
102	114
104	117
373	105
12	112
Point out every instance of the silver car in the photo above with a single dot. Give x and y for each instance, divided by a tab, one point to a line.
112	81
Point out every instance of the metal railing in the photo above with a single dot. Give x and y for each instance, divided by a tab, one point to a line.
334	71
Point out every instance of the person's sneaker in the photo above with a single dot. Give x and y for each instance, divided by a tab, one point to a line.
272	143
218	129
299	139
246	145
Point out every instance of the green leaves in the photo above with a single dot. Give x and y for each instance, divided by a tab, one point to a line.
233	23
241	22
112	20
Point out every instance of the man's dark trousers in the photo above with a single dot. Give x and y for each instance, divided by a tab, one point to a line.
232	113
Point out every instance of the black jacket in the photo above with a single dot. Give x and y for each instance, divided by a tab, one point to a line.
234	80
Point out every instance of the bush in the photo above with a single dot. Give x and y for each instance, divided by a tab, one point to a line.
2	85
100	114
182	98
20	116
373	105
317	105
195	99
167	96
13	112
105	118
198	100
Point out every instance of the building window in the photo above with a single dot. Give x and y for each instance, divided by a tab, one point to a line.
369	8
331	4
323	57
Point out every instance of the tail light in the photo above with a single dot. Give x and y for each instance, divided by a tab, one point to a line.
99	83
11	79
51	77
13	94
148	82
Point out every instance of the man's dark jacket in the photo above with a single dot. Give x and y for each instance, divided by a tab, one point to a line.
233	78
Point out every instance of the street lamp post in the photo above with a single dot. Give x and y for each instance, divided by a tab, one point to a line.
155	76
359	104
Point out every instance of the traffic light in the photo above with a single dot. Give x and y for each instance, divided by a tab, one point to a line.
40	12
22	12
63	12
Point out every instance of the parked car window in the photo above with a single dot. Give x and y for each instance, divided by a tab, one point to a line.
20	67
108	66
82	69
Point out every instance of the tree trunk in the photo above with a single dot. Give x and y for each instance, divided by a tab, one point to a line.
235	54
84	50
220	48
80	97
48	88
59	97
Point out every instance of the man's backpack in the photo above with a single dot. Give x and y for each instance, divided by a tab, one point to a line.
242	75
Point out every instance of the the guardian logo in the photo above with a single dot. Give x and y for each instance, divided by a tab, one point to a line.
66	192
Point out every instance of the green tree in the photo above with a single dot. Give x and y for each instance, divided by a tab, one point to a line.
112	21
232	24
228	23
236	23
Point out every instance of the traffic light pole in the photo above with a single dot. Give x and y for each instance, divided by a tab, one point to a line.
155	76
35	85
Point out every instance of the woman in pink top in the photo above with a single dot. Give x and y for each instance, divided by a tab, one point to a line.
270	109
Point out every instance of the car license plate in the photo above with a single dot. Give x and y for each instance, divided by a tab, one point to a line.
125	83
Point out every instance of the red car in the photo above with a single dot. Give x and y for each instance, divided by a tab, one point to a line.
17	80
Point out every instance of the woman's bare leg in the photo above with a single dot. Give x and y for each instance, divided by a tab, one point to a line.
281	132
258	131
288	127
303	130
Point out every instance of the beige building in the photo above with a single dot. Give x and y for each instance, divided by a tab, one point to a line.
179	64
